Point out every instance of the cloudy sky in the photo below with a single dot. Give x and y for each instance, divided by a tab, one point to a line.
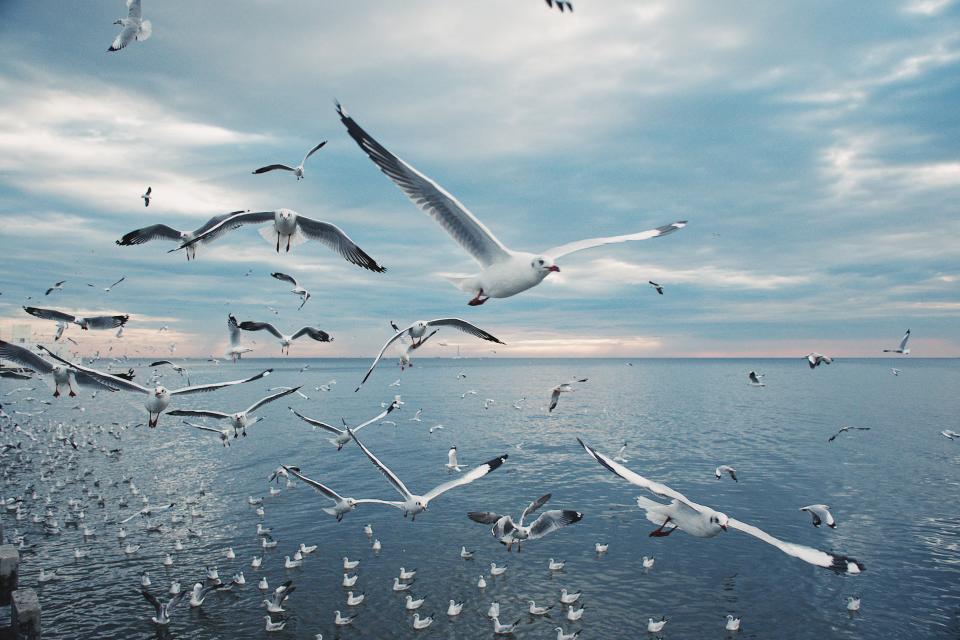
813	146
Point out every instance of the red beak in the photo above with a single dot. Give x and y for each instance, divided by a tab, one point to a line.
554	268
724	527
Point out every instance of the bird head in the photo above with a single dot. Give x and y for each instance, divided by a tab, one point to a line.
719	519
285	214
161	391
544	266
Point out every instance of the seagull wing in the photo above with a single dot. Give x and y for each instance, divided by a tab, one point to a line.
106	322
467	478
202	427
550	521
312	151
134	10
484	517
837	563
200	413
316	423
313	333
250	325
580	245
215	220
234	329
159	363
554	399
389	475
272	167
201	388
284	277
455	218
118	282
380	416
229	223
107	380
146	234
466	327
534	506
125	37
322	488
262	401
24	357
332	237
152	599
903	342
50	314
376	360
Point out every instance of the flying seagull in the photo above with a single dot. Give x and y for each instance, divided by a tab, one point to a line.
815	359
504	272
297	289
342	505
164	232
844	430
725	468
110	288
223	433
133	27
903	348
413	504
290	228
340	436
656	286
417	331
508	532
146	197
285	340
92	322
239	420
236	349
563	387
298	170
58	286
560	4
63	375
821	515
704	522
163	609
755	379
158	398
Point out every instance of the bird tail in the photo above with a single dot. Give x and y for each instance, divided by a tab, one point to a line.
146	29
464	283
651	507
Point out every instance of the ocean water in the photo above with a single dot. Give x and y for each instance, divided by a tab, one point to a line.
894	492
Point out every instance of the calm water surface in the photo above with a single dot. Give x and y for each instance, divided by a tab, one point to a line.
893	489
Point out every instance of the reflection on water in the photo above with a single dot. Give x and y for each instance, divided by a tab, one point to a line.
893	490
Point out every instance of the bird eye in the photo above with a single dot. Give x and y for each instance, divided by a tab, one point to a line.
540	261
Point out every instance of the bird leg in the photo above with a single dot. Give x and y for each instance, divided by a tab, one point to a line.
152	423
660	533
73	394
56	391
288	241
478	299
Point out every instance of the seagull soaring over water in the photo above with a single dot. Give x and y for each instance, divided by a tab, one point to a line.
290	228
903	348
341	437
815	359
146	196
134	27
342	504
508	532
285	340
63	375
563	387
754	378
236	349
164	232
92	322
417	332
504	272
239	420
297	289
158	398
298	170
703	522
413	504
844	430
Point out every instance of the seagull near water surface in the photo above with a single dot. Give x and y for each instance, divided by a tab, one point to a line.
504	272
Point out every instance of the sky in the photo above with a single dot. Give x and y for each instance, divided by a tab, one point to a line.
814	148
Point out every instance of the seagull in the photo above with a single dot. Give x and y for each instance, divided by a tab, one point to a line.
349	581
821	515
175	367
92	322
504	629
416	416
236	349
562	5
949	433
566	636
413	504
648	562
903	349
722	469
285	340
504	272
655	626
454	608
895	371
844	430
199	593
341	437
556	565
342	505
412	605
163	609
63	374
164	232
133	27
601	548
418	330
110	288
466	555
656	286
341	621
289	226
146	196
815	359
297	289
275	603
148	511
421	623
274	626
158	398
436	427
733	624
562	388
853	604
352	600
497	571
399	586
704	522
755	379
507	532
622	454
298	170
58	286
452	464
481	583
494	610
538	611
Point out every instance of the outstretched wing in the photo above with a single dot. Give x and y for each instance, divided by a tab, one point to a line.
837	563
322	488
250	325
272	167
200	413
467	478
533	506
332	237
312	151
580	245
376	360
387	473
201	388
316	423
106	322
24	357
484	517
284	277
262	401
107	380
146	234
466	327
315	334
50	314
553	520
227	224
436	201
202	427
903	342
152	599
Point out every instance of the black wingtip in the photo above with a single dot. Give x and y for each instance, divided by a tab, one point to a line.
845	565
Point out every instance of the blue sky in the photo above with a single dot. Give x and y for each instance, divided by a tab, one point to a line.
814	147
